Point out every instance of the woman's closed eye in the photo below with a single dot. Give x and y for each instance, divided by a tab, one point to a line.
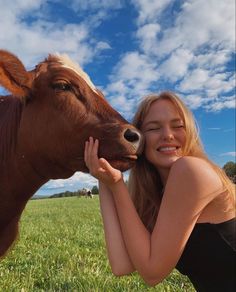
178	126
153	129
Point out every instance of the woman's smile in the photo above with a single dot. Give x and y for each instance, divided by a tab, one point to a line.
168	149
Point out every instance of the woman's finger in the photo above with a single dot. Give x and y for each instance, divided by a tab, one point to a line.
106	165
90	148
94	153
112	175
86	152
92	158
95	149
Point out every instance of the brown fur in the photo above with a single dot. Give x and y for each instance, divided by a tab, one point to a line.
43	129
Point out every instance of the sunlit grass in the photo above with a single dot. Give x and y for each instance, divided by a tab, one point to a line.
61	248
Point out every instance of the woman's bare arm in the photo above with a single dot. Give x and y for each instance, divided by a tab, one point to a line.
116	249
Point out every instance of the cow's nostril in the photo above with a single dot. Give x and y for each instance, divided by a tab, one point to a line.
131	135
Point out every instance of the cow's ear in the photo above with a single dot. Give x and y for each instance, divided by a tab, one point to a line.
13	75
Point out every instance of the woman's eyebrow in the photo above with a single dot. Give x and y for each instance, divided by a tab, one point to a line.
155	122
177	120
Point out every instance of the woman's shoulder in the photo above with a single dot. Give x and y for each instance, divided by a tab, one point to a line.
196	171
192	164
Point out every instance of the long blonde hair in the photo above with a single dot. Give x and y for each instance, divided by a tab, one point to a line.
145	185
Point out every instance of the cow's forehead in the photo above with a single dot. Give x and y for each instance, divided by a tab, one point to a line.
68	63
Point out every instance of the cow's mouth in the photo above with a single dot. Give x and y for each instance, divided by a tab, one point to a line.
130	157
125	158
123	163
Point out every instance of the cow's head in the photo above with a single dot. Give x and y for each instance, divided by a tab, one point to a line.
62	108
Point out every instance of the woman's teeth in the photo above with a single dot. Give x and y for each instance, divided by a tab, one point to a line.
163	149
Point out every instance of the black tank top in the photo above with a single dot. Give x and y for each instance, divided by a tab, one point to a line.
209	258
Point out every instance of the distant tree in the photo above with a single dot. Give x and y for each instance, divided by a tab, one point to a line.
94	190
230	170
64	194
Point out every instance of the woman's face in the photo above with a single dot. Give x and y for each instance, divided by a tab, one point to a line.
164	133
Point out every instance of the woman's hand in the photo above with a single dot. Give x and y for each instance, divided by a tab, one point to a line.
100	167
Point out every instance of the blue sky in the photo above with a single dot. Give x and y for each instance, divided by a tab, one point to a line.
132	48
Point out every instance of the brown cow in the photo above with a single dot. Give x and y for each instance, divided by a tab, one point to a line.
43	128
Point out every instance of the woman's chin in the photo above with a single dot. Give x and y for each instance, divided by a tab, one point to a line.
166	162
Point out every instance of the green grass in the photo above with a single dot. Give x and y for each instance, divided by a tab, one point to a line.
61	248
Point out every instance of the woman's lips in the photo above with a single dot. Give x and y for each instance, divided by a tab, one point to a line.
168	149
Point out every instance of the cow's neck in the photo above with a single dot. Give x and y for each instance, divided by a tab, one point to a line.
29	179
20	182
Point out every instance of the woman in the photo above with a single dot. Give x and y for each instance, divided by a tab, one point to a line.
179	210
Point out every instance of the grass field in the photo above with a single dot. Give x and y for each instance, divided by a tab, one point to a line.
61	248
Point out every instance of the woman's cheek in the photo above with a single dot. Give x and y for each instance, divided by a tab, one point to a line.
148	149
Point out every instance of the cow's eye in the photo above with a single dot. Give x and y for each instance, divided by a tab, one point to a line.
62	86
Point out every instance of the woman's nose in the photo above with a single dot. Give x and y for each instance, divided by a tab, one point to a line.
168	134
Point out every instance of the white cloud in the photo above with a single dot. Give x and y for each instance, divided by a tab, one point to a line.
79	179
195	80
91	5
147	35
229	130
201	80
133	75
19	7
33	40
176	66
192	48
103	46
225	102
213	59
124	105
149	10
135	66
117	87
34	43
137	72
200	23
96	11
193	101
233	154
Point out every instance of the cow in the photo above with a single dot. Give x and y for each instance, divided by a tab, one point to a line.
45	120
86	193
89	194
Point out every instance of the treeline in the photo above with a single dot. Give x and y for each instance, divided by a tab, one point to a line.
65	194
230	170
77	193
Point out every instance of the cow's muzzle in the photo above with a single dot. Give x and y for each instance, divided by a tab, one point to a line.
134	137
